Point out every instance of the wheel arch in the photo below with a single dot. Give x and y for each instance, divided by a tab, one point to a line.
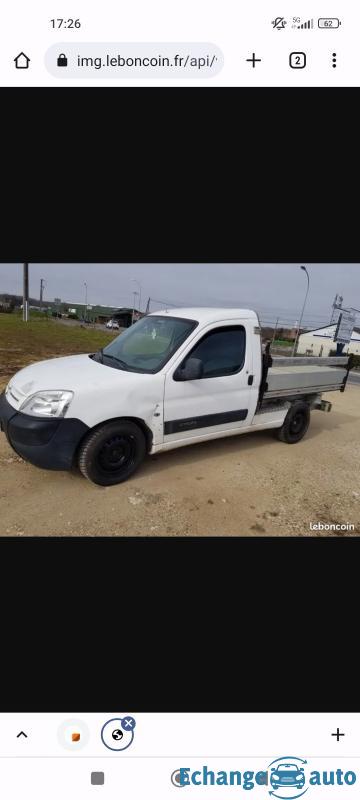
284	433
137	420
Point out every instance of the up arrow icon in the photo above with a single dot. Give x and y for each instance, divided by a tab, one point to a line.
22	733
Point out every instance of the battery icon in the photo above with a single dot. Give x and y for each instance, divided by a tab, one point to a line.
329	22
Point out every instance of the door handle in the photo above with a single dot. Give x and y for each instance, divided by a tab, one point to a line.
250	380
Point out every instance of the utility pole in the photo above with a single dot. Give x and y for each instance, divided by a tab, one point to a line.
133	311
333	308
275	329
26	292
85	309
42	284
134	280
302	310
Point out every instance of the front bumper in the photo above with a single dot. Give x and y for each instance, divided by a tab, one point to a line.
47	443
282	784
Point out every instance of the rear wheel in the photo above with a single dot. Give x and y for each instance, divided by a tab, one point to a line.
295	424
110	454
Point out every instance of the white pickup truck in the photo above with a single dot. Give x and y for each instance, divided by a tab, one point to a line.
172	379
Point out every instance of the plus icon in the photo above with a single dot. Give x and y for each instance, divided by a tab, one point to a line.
253	60
338	734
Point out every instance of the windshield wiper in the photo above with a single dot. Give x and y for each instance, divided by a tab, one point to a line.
122	364
98	356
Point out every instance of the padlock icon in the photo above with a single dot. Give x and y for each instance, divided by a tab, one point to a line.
62	60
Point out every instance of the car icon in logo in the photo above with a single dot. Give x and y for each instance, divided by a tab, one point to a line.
287	774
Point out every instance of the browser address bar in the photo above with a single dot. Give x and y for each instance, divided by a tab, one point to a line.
134	60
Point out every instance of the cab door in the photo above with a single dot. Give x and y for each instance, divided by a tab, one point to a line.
224	398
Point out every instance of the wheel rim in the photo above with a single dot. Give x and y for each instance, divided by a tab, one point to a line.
297	422
117	454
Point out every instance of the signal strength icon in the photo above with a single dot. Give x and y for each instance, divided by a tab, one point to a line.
308	24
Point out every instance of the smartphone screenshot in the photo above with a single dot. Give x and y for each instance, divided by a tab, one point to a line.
179	397
202	43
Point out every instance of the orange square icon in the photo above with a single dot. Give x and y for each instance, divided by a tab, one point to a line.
75	737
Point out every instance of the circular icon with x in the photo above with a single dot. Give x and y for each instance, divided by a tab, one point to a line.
118	733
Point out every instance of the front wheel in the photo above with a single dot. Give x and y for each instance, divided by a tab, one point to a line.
111	453
295	424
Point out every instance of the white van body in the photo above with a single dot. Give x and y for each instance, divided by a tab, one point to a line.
171	412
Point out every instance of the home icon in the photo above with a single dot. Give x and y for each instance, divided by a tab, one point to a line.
22	61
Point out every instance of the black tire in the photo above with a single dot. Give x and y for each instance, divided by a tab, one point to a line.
111	453
295	423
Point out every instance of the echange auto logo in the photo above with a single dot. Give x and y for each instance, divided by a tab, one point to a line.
287	778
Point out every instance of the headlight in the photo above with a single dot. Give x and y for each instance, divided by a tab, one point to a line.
274	775
47	404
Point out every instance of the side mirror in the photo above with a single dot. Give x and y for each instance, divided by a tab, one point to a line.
192	370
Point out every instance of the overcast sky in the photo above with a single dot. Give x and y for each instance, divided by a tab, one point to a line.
271	289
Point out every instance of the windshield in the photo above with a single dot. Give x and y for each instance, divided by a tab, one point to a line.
288	766
148	344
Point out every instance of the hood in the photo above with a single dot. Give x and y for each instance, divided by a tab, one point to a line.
79	374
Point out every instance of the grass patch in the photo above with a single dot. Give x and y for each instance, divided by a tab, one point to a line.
22	343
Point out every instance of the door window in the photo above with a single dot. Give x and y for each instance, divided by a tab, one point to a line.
222	351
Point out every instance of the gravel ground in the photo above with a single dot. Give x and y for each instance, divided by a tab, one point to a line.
250	485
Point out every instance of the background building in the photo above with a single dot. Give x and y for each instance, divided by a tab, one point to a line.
98	313
320	341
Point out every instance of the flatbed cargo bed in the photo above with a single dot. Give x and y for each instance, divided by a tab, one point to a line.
298	376
306	378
